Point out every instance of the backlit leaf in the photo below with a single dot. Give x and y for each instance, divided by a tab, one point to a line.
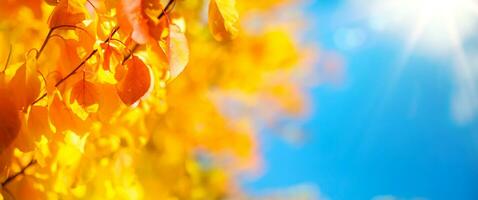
25	84
85	93
178	51
67	12
135	82
132	19
223	19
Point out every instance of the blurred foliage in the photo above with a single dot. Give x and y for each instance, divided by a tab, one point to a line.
134	99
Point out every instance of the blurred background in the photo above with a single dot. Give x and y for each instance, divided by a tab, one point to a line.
400	122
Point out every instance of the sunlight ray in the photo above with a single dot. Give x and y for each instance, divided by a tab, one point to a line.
463	69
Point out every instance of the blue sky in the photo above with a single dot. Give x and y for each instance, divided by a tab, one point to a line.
388	129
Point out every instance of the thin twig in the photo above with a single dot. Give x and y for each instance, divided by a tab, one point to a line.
21	172
163	12
92	53
8	59
161	15
48	36
45	41
110	37
76	68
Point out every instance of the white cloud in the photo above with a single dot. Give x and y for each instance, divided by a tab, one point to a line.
465	96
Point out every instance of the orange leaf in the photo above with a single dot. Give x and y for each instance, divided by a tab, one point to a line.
38	120
107	56
67	12
9	121
110	54
178	51
63	117
136	81
25	84
223	19
85	93
110	102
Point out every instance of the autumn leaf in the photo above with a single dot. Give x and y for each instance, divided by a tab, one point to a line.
10	123
158	28
112	56
223	19
110	103
178	51
67	12
25	84
132	19
85	93
70	57
38	120
108	50
135	82
61	116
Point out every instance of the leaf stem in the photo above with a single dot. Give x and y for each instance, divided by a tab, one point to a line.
48	36
130	53
76	68
44	42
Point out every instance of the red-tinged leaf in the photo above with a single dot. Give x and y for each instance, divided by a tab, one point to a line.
223	19
10	123
131	18
178	51
67	12
85	93
135	83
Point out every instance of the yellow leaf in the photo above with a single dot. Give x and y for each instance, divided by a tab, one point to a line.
223	19
178	51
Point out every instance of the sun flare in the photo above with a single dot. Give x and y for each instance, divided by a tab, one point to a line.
433	24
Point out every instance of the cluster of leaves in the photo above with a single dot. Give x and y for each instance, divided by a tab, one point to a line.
98	111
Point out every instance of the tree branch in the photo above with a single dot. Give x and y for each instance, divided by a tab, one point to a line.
21	172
